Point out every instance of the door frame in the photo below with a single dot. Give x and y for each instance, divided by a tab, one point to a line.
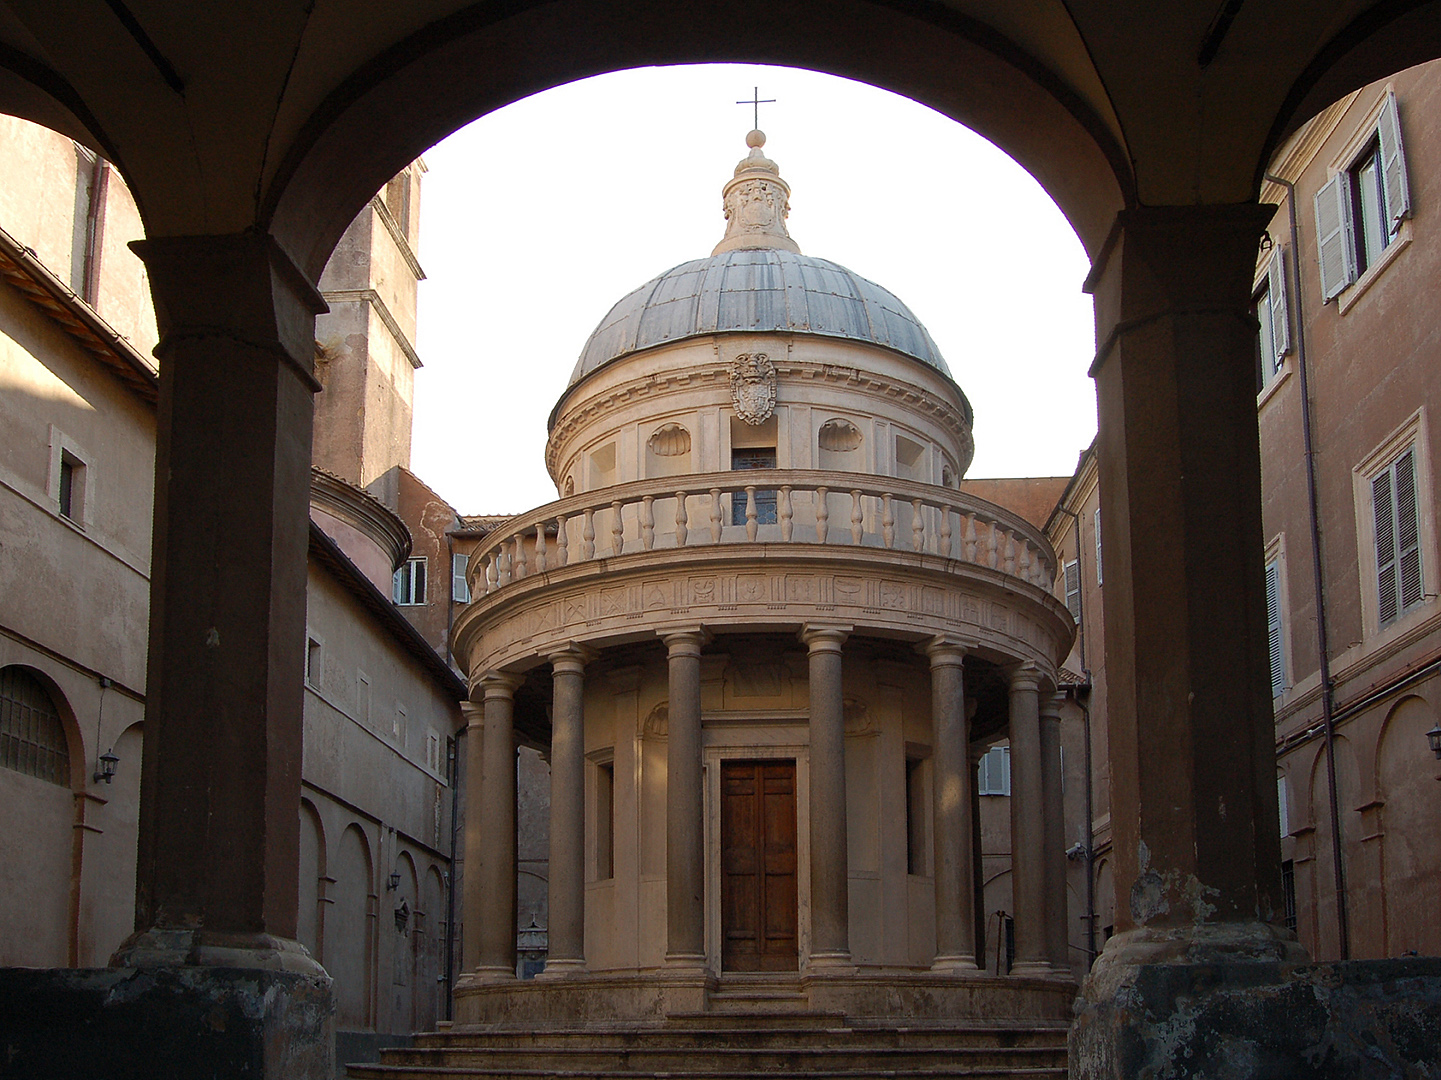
755	743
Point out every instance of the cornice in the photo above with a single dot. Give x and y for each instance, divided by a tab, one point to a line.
393	228
716	375
1296	156
361	510
373	298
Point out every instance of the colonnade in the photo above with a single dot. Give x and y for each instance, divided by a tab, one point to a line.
1037	829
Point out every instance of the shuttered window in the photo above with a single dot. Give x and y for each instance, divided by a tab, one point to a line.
459	589
1073	588
1360	209
1274	321
32	735
994	774
1096	524
1274	631
1398	548
408	584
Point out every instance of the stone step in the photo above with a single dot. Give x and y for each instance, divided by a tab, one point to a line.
708	1031
954	1072
740	1060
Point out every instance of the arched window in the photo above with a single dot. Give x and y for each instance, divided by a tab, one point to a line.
32	735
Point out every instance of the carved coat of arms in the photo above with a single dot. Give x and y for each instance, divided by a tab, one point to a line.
753	387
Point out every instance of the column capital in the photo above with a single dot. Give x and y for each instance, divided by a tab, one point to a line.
825	637
499	684
685	641
1051	706
1026	676
945	650
474	713
570	658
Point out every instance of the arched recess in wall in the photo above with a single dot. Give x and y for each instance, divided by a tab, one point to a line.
668	451
349	953
110	863
1323	941
310	927
401	925
430	990
41	766
1407	783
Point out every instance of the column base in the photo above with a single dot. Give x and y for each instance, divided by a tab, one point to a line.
1033	968
685	962
829	963
955	965
486	975
182	1023
167	948
1241	1001
562	969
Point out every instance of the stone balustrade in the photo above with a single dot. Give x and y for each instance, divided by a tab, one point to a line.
761	507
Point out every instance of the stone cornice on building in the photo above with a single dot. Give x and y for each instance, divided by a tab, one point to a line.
1296	156
20	267
360	510
373	298
716	375
398	235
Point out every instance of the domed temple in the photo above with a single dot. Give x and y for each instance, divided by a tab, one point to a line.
767	637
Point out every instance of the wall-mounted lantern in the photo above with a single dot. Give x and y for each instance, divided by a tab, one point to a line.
108	761
394	882
1434	738
402	916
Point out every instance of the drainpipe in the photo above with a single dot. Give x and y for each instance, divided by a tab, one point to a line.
1343	927
1089	853
453	769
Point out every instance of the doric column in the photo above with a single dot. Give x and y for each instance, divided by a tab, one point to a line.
471	898
1053	833
1028	879
494	873
567	814
951	784
830	869
685	804
219	837
1188	699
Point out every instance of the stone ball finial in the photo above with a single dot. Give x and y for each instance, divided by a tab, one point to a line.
755	138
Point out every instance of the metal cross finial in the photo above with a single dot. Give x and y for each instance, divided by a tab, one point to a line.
757	101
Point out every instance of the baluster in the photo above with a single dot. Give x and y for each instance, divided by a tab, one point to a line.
504	575
752	517
991	553
944	547
519	568
715	515
562	544
918	526
617	530
888	522
1023	563
856	518
490	571
786	514
540	547
1010	567
681	520
587	537
968	541
647	522
823	515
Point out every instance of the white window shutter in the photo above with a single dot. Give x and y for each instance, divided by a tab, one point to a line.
1280	310
1073	588
459	589
1265	323
1283	803
1393	164
399	583
1408	547
1333	234
1274	630
1384	515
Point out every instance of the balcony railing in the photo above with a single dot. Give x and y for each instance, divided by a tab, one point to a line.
810	508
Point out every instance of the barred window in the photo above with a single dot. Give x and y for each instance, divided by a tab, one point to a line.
32	735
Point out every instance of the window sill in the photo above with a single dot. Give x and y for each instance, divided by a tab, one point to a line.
1280	377
1347	300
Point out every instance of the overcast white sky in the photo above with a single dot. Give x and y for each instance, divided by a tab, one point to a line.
537	218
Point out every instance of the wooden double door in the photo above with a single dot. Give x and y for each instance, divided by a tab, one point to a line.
758	866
